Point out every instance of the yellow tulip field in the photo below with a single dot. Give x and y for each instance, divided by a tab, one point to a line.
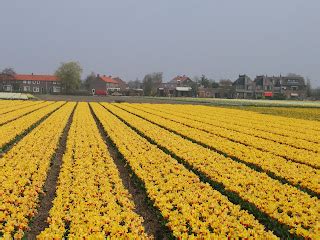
78	170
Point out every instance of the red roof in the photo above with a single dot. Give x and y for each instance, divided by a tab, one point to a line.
108	79
32	77
181	78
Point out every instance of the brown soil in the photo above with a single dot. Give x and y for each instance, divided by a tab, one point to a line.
152	225
39	222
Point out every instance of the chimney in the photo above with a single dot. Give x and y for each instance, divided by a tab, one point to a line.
104	75
31	73
98	75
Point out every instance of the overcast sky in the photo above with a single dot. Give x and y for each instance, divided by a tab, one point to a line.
127	38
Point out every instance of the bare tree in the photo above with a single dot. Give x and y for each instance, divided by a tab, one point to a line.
136	84
225	82
151	83
8	74
308	86
89	79
293	75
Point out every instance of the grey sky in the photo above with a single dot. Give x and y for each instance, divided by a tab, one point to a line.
131	38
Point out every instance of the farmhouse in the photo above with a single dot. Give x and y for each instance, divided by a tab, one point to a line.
219	92
289	87
104	85
243	87
280	87
30	83
180	86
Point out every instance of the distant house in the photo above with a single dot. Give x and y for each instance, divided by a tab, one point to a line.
264	87
30	83
219	92
107	85
289	87
279	87
180	86
243	87
135	88
293	87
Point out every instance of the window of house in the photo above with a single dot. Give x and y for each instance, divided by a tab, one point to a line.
290	81
29	82
7	88
25	82
26	88
54	83
34	82
38	82
56	89
36	89
294	88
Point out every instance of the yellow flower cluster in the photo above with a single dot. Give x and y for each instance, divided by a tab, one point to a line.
20	112
23	171
226	133
280	201
298	128
9	105
294	128
5	103
293	112
235	124
12	129
91	200
191	208
296	173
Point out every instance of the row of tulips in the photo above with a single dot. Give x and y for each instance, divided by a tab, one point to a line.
91	200
282	202
23	171
274	123
311	158
241	126
9	105
295	173
190	207
23	111
12	129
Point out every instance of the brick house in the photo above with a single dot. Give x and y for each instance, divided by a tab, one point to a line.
264	87
30	83
219	92
243	87
180	86
289	87
279	87
107	85
292	87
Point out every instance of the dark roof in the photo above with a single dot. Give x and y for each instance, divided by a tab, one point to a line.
242	80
